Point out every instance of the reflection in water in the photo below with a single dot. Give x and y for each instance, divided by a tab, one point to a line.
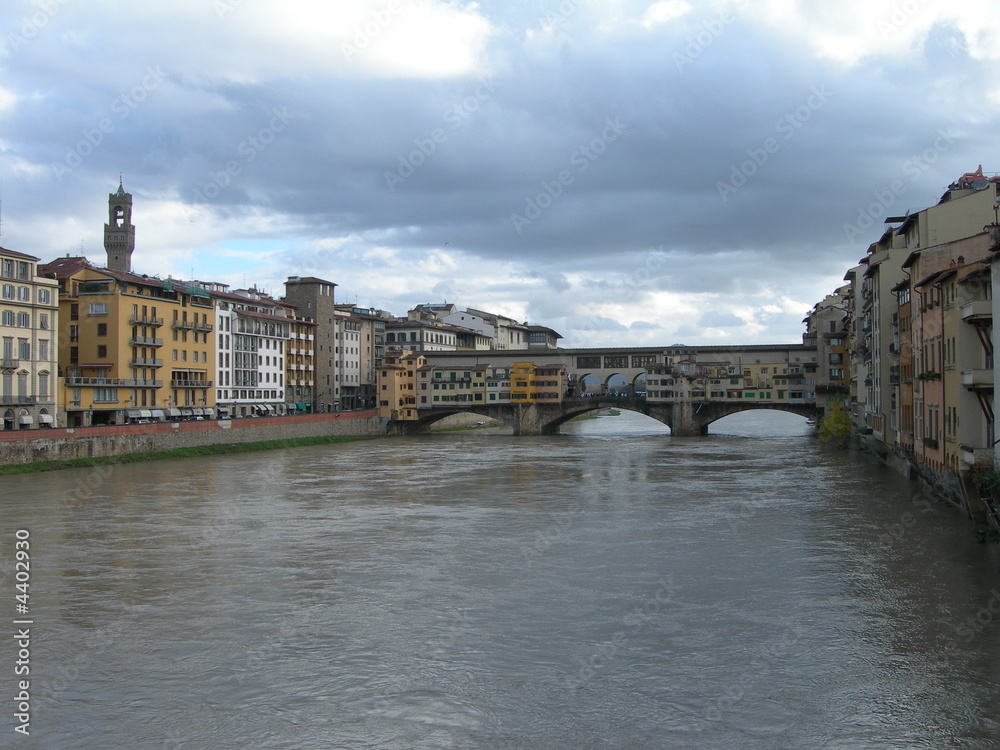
608	587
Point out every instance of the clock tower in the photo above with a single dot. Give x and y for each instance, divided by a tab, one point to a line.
119	233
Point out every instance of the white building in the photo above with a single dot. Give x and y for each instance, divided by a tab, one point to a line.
29	308
252	337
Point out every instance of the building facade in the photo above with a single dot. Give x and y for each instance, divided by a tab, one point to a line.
29	320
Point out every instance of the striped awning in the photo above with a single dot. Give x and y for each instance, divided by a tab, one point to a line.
45	418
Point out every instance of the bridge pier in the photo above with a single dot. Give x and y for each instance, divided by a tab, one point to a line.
684	421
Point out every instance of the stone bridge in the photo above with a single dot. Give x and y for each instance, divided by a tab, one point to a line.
683	419
684	387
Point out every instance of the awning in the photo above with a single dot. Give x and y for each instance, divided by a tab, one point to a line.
133	413
157	414
186	412
224	409
260	407
268	407
145	413
209	411
45	418
171	412
198	411
303	407
25	419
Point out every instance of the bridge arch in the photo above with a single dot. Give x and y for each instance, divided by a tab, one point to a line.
721	410
579	409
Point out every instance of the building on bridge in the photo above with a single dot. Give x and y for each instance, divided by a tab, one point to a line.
397	385
409	384
773	380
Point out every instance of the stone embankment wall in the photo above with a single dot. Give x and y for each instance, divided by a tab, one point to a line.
29	446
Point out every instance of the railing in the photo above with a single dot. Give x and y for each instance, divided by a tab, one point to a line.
142	320
145	362
192	325
9	362
11	400
980	378
113	383
190	383
145	341
977	309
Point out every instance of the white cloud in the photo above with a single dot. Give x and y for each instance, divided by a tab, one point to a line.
664	11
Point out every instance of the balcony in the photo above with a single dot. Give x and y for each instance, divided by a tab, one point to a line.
977	310
13	400
190	383
10	362
192	325
144	320
976	457
145	362
113	383
981	379
145	341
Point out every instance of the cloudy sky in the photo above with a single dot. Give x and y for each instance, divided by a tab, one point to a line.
624	171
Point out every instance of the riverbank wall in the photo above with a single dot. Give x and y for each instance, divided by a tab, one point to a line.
955	488
115	440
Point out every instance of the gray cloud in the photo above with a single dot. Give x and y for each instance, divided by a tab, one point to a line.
611	151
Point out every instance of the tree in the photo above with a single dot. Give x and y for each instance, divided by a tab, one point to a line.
835	428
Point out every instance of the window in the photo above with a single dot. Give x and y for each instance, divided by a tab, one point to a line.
23	349
106	395
102	351
43	385
74	333
7	269
24	294
8	291
23	270
74	355
98	308
43	351
43	321
74	311
8	318
23	320
102	329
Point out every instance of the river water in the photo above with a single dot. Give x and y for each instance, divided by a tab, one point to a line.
611	587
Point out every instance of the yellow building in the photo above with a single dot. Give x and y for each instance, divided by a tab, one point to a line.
452	385
132	347
397	385
537	384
